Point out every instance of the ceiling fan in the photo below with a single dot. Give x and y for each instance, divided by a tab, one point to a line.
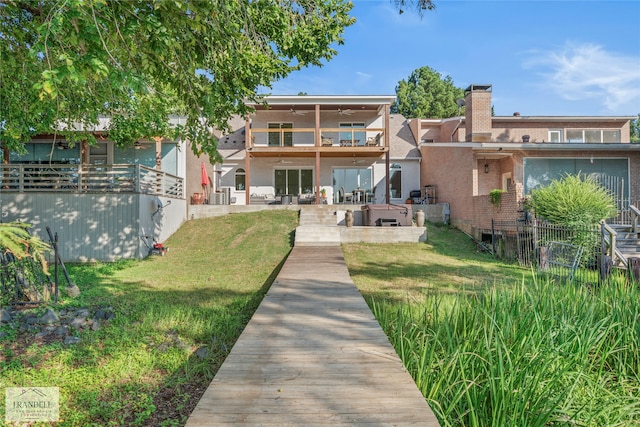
356	161
140	146
345	112
297	112
282	161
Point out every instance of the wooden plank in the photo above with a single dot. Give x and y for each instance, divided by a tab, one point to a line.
313	354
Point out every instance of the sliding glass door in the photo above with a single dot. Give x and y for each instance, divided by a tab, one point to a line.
293	181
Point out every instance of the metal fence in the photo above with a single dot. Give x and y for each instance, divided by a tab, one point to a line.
551	249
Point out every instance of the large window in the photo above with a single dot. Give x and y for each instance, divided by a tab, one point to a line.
280	137
56	153
347	180
539	172
589	136
395	181
350	135
293	181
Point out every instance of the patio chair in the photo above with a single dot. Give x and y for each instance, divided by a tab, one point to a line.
346	196
327	141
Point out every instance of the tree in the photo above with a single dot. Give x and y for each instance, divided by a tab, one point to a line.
635	129
65	64
419	5
574	200
426	94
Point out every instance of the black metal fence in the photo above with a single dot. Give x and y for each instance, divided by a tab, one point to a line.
549	248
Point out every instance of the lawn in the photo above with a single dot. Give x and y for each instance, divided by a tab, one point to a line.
466	326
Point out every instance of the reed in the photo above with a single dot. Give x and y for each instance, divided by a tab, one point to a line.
541	353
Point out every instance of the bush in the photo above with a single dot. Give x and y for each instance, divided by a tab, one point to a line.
573	200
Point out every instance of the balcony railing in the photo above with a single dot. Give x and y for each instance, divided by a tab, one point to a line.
81	178
306	137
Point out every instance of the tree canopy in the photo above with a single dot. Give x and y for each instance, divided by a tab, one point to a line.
426	94
635	129
65	64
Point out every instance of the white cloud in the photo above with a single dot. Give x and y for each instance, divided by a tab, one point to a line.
589	72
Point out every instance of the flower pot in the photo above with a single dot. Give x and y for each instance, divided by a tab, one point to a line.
420	218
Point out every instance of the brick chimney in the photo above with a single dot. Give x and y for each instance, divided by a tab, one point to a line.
477	101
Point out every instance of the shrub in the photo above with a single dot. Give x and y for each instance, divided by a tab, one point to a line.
573	200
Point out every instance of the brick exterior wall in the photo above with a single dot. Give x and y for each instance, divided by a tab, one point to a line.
484	211
478	115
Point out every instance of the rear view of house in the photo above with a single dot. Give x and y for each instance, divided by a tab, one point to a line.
467	157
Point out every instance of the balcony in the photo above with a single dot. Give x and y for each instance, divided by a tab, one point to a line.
82	178
305	139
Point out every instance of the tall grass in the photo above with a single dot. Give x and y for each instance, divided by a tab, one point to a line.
538	354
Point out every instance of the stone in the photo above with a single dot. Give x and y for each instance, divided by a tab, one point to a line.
61	331
202	353
5	316
95	326
49	317
31	320
77	322
71	340
42	334
72	291
83	312
100	314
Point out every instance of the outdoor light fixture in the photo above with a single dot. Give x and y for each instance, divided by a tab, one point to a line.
486	167
62	145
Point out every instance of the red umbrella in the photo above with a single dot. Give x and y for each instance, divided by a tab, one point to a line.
204	179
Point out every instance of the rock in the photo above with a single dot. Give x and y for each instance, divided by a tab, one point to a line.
100	314
61	331
110	315
49	317
71	340
42	334
83	312
77	322
31	320
5	316
73	291
202	353
95	326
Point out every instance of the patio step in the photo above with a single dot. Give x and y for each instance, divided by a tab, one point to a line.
318	215
317	235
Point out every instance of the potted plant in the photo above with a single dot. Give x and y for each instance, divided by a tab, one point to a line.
323	193
495	196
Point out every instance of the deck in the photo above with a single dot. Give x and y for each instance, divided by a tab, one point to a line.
312	355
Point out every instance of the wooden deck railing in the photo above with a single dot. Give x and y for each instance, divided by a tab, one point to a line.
81	178
306	137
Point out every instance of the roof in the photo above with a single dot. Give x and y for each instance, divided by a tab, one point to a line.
403	144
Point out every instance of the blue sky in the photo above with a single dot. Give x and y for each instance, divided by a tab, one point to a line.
542	57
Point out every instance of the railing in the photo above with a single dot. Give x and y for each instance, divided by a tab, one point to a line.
306	137
89	179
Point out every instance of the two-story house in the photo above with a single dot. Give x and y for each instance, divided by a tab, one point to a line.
297	149
464	158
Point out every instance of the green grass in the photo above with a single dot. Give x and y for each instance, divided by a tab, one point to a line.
141	369
487	344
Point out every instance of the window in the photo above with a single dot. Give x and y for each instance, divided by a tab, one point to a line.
351	136
555	135
241	177
591	136
539	172
280	138
395	181
293	181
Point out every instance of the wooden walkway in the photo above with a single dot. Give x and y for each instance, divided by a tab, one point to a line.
313	355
